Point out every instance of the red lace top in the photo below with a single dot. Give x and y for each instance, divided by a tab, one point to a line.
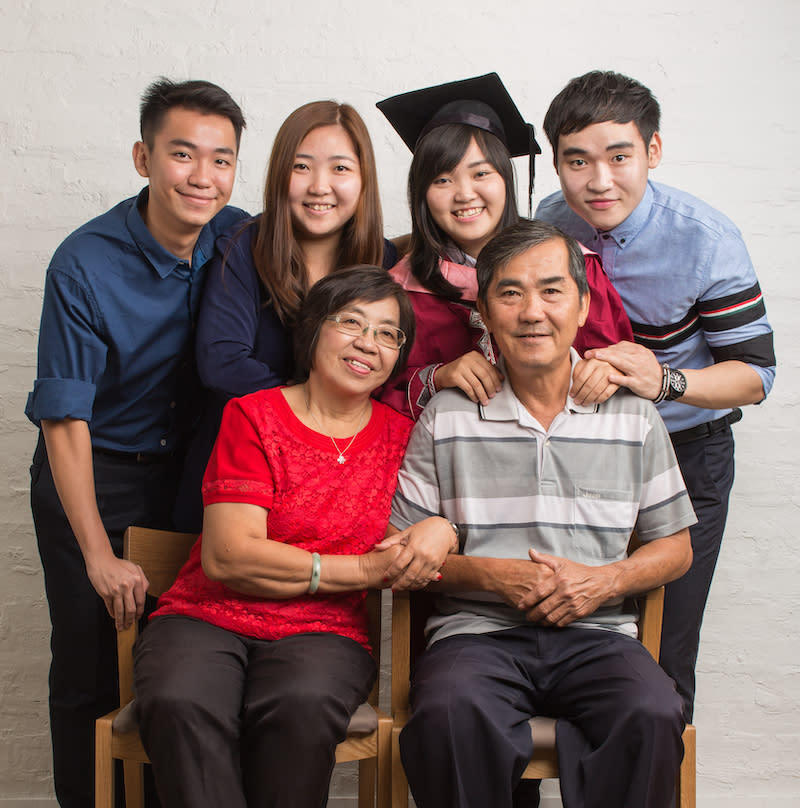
265	456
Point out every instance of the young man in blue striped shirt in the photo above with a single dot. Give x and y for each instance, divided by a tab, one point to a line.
703	345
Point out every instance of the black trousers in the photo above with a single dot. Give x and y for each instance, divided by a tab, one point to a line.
232	721
707	465
83	671
468	739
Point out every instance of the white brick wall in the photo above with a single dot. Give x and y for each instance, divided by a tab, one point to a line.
727	77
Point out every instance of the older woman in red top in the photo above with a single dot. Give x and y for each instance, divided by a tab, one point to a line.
256	658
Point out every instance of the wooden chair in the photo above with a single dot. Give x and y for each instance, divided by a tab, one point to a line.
161	554
406	634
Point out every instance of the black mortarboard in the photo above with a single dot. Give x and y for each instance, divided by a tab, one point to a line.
482	102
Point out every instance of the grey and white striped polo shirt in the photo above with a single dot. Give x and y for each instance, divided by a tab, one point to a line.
576	491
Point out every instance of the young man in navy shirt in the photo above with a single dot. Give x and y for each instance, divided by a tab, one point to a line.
114	372
703	346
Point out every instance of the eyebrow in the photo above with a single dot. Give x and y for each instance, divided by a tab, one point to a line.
362	313
623	144
572	151
187	144
347	157
552	280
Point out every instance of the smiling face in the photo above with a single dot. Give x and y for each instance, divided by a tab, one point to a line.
325	184
603	171
191	167
356	364
533	309
467	203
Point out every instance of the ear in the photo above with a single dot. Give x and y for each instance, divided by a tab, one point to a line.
583	314
654	151
141	158
482	310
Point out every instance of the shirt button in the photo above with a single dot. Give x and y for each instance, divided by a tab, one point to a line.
606	237
547	444
163	442
622	241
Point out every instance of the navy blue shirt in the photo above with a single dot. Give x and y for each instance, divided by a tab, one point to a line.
242	346
116	330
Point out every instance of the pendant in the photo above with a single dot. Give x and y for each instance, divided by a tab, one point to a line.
340	459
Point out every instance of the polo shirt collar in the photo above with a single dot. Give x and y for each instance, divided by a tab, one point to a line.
505	405
624	233
162	260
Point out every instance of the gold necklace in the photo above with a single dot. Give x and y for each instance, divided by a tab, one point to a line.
341	458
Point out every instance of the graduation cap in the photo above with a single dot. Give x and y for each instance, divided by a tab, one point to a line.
482	102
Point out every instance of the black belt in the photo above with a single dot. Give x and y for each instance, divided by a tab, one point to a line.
705	430
141	458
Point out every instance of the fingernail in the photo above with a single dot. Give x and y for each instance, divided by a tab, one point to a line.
385	578
438	576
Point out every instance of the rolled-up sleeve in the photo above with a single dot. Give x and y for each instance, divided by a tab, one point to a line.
732	311
72	353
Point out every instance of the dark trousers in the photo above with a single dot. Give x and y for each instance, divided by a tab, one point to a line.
707	466
468	739
232	721
83	671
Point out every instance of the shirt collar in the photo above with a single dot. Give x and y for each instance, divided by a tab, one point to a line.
162	260
624	233
505	405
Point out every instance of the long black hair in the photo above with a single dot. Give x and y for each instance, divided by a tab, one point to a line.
438	152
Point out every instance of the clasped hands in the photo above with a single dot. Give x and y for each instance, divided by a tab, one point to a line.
552	591
413	558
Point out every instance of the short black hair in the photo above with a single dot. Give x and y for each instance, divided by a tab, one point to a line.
520	238
598	96
201	96
334	292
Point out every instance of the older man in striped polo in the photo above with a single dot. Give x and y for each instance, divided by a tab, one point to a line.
533	616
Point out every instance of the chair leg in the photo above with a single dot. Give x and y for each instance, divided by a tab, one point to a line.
687	774
134	784
103	764
384	763
399	780
366	783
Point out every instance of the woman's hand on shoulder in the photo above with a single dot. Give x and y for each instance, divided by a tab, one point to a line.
424	548
472	373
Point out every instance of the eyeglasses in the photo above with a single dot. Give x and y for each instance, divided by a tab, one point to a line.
387	336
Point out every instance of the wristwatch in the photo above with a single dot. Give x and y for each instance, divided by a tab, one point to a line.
457	531
676	383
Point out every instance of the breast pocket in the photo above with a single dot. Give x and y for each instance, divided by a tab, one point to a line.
603	519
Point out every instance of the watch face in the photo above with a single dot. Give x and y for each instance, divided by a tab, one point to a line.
677	384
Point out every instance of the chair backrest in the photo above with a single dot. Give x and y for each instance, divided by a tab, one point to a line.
374	617
411	610
160	554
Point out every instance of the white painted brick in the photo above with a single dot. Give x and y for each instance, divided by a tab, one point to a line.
726	75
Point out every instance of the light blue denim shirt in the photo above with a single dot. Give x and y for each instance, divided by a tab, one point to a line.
687	284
